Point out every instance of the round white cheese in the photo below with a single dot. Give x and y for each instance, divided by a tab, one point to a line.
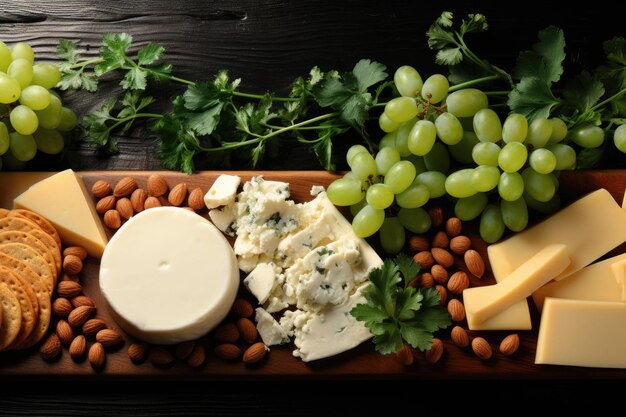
168	275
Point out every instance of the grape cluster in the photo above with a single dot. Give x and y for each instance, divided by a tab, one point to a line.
32	116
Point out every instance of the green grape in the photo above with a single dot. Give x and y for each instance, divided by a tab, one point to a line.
514	214
49	141
392	235
12	163
587	136
22	71
466	102
379	196
559	130
50	117
459	183
22	50
514	128
386	124
355	208
469	208
402	137
435	88
10	89
438	158
467	123
547	207
491	224
418	162
539	132
449	128
415	220
5	57
400	176
342	191
23	147
408	81
462	151
4	138
68	120
35	96
487	125
352	151
367	221
486	153
385	158
565	156
363	165
389	140
46	75
422	137
542	160
541	187
485	178
24	120
512	157
401	109
415	196
435	181
619	138
511	186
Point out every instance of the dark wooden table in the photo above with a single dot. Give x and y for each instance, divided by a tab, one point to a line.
268	43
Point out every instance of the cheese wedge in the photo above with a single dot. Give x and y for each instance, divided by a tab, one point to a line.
64	200
619	272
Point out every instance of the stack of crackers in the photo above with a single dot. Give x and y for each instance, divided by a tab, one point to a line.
30	262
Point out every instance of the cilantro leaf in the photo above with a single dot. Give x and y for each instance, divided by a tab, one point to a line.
113	52
408	301
533	98
368	73
369	314
389	339
323	147
150	54
615	50
438	35
383	286
449	56
474	23
73	77
583	91
135	79
407	267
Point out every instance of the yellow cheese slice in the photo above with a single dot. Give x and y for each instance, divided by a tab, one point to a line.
595	282
13	184
483	303
619	272
582	333
64	200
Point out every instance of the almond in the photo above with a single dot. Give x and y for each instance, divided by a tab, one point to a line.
184	349
474	263
243	308
69	289
418	243
197	357
456	310
97	356
61	307
138	199
109	337
227	351
78	251
93	326
157	186
151	202
73	278
226	333
82	300
442	257
460	244
247	330
255	353
424	258
80	315
125	187
51	349
101	189
105	204
426	280
440	240
436	216
509	345
453	227
65	332
125	208
78	347
159	356
405	355
481	348
72	264
458	282
439	273
138	351
459	336
196	199
443	293
435	352
178	194
112	219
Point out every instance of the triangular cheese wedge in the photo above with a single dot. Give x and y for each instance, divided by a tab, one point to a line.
64	200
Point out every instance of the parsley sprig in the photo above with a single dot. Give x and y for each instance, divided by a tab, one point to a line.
396	311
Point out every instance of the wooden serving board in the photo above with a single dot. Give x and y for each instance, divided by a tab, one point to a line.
361	362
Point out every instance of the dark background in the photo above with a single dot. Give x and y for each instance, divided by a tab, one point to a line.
268	44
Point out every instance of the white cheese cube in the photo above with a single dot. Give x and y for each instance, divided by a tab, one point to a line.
261	281
224	219
222	192
270	331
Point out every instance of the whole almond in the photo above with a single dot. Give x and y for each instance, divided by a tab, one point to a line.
474	263
453	227
105	204
243	308
184	349
109	337
178	194
456	310
255	353
436	216
481	348
443	293
405	355
51	349
227	351
138	351
159	356
97	356
509	344
460	244
125	208
459	336
418	243
157	186
247	330
458	282
112	219
65	332
426	280
101	189
69	289
425	259
435	352
78	347
93	326
151	202
78	251
138	199
80	315
125	187
439	273
61	307
227	332
82	300
197	356
196	199
442	257
72	264
440	240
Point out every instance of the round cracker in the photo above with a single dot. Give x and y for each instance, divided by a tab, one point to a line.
11	322
51	244
26	298
33	259
4	212
22	224
40	221
14	236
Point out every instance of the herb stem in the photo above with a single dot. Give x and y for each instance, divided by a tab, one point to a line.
608	100
260	97
87	62
297	126
472	82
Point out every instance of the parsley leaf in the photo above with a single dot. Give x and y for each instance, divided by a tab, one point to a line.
583	91
73	75
533	98
545	61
